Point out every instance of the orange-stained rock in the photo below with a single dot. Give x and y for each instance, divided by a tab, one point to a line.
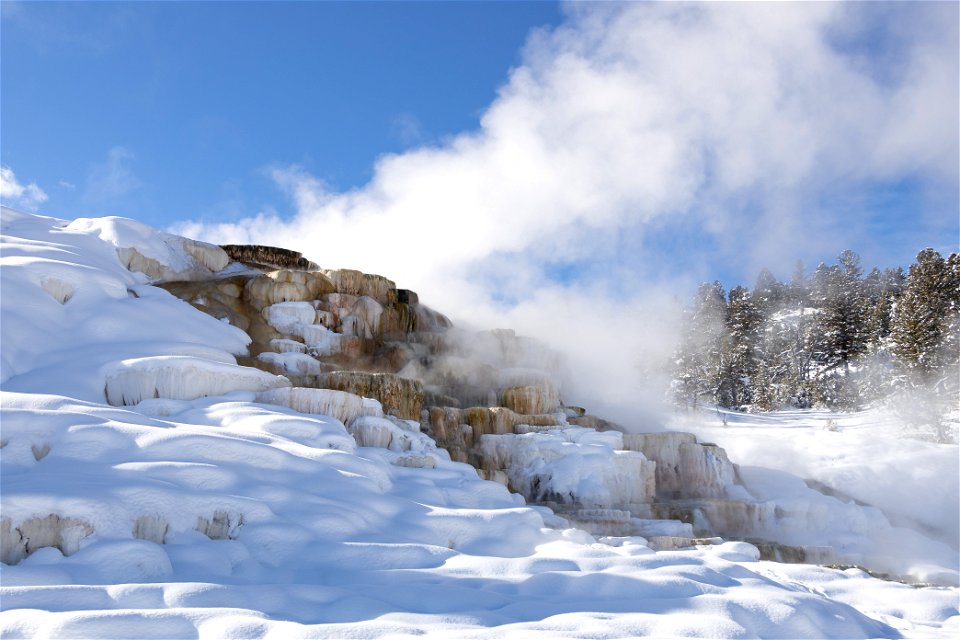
286	286
358	283
400	397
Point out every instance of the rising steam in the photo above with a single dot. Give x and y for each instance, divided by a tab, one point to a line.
637	150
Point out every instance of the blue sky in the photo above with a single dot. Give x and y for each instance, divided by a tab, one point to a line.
494	149
167	111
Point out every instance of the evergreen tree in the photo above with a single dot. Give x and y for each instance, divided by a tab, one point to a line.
799	290
741	349
843	317
881	290
792	342
925	336
925	325
769	294
699	359
834	338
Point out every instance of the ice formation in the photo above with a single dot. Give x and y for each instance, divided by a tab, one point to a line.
153	528
128	382
286	316
387	432
292	363
341	405
286	345
364	321
685	468
568	467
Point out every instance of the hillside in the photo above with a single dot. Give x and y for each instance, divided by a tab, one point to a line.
312	452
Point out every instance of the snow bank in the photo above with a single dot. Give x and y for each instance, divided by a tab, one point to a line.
69	307
160	256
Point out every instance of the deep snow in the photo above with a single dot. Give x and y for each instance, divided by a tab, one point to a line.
190	514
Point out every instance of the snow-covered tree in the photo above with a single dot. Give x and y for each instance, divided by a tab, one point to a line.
881	290
741	349
699	358
836	338
799	289
925	323
841	328
769	294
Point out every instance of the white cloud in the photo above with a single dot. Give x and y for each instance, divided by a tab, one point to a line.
407	128
29	196
111	180
632	120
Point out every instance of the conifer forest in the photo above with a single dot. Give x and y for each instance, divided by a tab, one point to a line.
838	338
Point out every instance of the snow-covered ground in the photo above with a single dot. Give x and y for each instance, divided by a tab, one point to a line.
153	496
861	482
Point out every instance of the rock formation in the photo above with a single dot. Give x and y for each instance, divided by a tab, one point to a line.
285	285
17	542
399	376
264	257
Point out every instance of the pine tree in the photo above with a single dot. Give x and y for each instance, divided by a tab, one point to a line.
769	294
843	312
799	290
925	322
741	348
925	336
840	331
881	290
699	358
793	343
834	338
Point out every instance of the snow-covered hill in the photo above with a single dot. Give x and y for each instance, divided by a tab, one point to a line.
150	489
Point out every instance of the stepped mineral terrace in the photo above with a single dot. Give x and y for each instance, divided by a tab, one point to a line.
400	377
396	373
354	346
